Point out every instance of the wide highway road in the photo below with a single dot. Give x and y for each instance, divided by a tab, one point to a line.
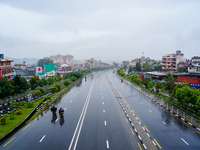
93	120
165	130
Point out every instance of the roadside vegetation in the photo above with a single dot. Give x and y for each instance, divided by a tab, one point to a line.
19	110
177	94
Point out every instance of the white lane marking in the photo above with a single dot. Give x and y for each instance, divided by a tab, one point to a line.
104	111
42	138
70	101
74	95
107	143
139	137
184	141
105	123
82	117
101	92
141	102
150	110
144	146
102	97
148	135
163	122
65	108
56	119
154	143
103	103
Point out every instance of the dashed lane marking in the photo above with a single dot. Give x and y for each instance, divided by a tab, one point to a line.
158	144
133	111
139	146
103	103
65	108
42	138
9	142
26	127
132	131
122	112
138	118
150	110
70	101
107	143
105	123
56	120
185	123
173	114
184	141
146	129
104	111
163	122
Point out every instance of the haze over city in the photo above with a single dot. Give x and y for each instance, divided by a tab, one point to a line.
106	30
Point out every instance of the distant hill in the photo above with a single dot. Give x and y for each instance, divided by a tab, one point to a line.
21	60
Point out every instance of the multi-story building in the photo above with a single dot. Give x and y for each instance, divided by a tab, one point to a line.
6	69
171	61
64	70
60	59
195	65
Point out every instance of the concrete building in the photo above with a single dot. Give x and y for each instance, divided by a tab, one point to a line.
64	70
195	65
171	61
6	69
62	59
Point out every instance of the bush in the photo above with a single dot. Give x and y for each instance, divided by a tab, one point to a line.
17	104
3	119
29	105
18	112
73	79
66	83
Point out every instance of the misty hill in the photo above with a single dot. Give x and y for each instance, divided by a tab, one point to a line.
21	60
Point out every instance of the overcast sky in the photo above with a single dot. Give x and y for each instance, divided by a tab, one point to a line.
102	29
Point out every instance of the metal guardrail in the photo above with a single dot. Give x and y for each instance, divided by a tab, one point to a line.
174	110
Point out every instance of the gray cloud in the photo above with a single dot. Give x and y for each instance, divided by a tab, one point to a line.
103	29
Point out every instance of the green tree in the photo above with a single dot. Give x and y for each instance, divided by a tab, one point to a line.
182	69
170	83
42	90
145	82
146	67
138	66
37	93
150	85
20	84
158	86
158	67
125	64
73	79
6	88
197	104
66	83
34	81
50	81
41	62
59	87
53	89
43	82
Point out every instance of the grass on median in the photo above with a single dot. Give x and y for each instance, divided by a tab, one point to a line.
10	124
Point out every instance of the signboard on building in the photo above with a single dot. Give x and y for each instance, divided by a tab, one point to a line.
38	70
